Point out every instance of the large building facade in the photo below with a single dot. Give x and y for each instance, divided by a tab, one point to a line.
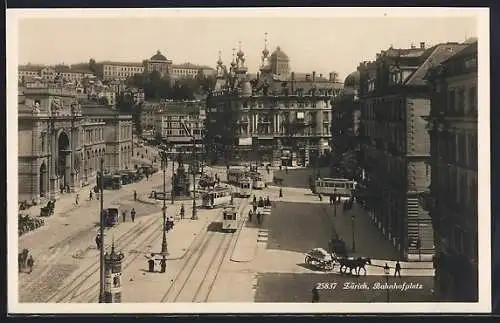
61	142
279	118
395	100
346	113
454	188
158	63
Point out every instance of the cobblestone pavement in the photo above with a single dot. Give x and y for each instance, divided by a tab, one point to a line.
72	232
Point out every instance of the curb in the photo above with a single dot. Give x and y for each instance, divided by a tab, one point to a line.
246	260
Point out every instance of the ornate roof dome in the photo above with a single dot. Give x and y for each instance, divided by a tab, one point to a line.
279	54
352	80
158	56
240	53
265	52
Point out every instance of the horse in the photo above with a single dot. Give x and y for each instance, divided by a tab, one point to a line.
353	264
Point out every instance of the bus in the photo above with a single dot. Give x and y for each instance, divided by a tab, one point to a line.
218	196
234	175
344	188
229	219
245	187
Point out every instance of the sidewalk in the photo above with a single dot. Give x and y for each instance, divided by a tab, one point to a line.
246	245
370	242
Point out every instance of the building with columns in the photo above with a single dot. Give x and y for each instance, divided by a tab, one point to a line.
279	118
61	141
395	108
454	173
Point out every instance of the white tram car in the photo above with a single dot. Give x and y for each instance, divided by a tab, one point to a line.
218	196
245	187
258	181
341	187
229	219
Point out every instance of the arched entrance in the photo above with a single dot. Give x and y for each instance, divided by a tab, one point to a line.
43	180
63	160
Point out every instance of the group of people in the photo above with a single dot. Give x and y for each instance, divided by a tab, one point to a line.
258	204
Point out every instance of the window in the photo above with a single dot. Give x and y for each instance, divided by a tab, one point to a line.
472	101
461	101
451	101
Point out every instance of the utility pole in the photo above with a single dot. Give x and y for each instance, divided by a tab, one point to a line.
173	175
164	249
101	232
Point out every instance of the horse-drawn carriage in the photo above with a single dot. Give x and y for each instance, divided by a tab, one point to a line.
324	260
320	258
49	209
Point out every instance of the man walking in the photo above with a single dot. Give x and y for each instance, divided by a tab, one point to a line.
250	213
124	214
397	270
91	195
30	263
135	195
77	197
98	241
132	214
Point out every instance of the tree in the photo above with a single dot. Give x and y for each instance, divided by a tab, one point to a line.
93	65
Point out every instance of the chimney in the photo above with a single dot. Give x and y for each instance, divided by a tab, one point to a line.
422	45
314	76
413	46
331	77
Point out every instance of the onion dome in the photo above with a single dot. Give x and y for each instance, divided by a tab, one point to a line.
219	61
265	52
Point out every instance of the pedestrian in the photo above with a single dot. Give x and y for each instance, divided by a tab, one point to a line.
315	295
397	270
132	214
254	199
30	263
91	195
259	218
98	241
281	192
320	197
151	263
182	211
77	197
124	214
250	213
218	180
254	207
286	169
135	195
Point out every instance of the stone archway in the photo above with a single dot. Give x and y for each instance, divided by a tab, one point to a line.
43	180
64	159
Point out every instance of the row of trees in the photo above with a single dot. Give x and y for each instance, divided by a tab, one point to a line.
157	87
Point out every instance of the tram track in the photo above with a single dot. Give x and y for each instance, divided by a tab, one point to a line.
202	279
71	288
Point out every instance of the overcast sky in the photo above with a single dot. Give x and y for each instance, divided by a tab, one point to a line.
321	42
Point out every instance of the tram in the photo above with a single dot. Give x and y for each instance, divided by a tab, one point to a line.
234	175
344	188
229	219
245	187
258	181
218	196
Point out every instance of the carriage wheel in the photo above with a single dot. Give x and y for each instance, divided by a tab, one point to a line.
308	260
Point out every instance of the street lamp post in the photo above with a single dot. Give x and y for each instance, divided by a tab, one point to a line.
353	239
334	202
173	176
194	216
164	246
386	274
101	233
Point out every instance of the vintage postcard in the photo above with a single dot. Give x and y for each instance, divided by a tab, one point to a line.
330	160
